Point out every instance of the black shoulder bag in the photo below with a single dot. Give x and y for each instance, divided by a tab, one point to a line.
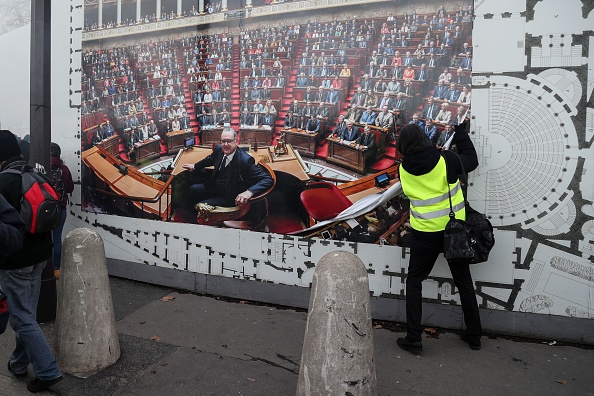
467	241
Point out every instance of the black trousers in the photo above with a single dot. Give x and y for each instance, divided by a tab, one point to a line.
419	268
208	193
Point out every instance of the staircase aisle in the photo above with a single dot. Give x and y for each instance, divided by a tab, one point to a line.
235	100
189	101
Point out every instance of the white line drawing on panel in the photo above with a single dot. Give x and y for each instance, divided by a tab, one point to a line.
556	44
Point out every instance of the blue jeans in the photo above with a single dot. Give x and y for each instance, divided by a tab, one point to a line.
21	287
57	237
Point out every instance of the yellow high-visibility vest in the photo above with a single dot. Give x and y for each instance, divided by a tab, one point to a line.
428	194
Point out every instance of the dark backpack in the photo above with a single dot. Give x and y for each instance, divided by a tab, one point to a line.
57	179
40	207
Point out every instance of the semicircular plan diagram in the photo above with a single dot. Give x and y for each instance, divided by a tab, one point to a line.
529	151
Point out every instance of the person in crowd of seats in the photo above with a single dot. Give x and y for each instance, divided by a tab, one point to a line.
416	119
313	124
366	142
444	136
341	126
368	116
246	118
430	110
290	120
351	133
465	95
385	119
358	98
431	130
354	113
445	115
440	90
453	93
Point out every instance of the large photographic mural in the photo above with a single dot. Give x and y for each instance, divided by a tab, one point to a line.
317	102
532	121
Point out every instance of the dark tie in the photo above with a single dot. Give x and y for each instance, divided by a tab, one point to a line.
223	162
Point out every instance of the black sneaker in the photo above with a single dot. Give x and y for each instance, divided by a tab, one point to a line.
411	346
39	385
18	375
473	341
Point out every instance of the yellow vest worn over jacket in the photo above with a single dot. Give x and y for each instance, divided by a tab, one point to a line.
428	194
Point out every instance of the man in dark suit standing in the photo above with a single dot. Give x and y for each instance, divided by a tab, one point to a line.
366	143
351	133
235	178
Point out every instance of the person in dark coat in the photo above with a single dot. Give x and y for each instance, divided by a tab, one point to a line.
235	178
64	187
20	280
12	229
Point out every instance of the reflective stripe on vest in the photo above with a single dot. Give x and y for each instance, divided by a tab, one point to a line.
428	194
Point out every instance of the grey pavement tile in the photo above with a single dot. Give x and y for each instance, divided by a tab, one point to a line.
447	366
137	355
229	329
129	296
10	386
194	373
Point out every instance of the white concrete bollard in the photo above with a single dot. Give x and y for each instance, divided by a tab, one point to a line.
337	356
86	338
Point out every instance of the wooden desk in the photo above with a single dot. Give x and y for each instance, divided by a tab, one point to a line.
261	136
111	144
345	155
177	139
288	163
303	142
150	148
211	135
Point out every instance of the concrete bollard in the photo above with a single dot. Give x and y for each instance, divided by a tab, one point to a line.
86	336
337	356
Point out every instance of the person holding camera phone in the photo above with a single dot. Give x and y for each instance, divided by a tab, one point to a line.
423	176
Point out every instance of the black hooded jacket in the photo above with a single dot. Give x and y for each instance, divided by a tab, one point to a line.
36	247
420	157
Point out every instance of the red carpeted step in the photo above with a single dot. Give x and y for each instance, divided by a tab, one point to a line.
390	151
284	223
382	164
184	216
124	157
322	151
162	147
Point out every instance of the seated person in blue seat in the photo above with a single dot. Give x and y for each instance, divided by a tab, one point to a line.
235	178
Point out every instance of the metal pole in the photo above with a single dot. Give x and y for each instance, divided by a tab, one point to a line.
40	78
40	128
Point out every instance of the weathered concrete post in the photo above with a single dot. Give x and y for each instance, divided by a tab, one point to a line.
86	336
337	356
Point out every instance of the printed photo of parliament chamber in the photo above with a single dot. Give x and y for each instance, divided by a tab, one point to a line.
313	99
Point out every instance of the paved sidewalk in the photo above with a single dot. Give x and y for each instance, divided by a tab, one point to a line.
195	345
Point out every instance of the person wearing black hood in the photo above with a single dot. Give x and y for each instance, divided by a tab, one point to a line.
423	178
64	185
20	280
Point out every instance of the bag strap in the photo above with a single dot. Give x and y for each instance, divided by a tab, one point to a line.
452	215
